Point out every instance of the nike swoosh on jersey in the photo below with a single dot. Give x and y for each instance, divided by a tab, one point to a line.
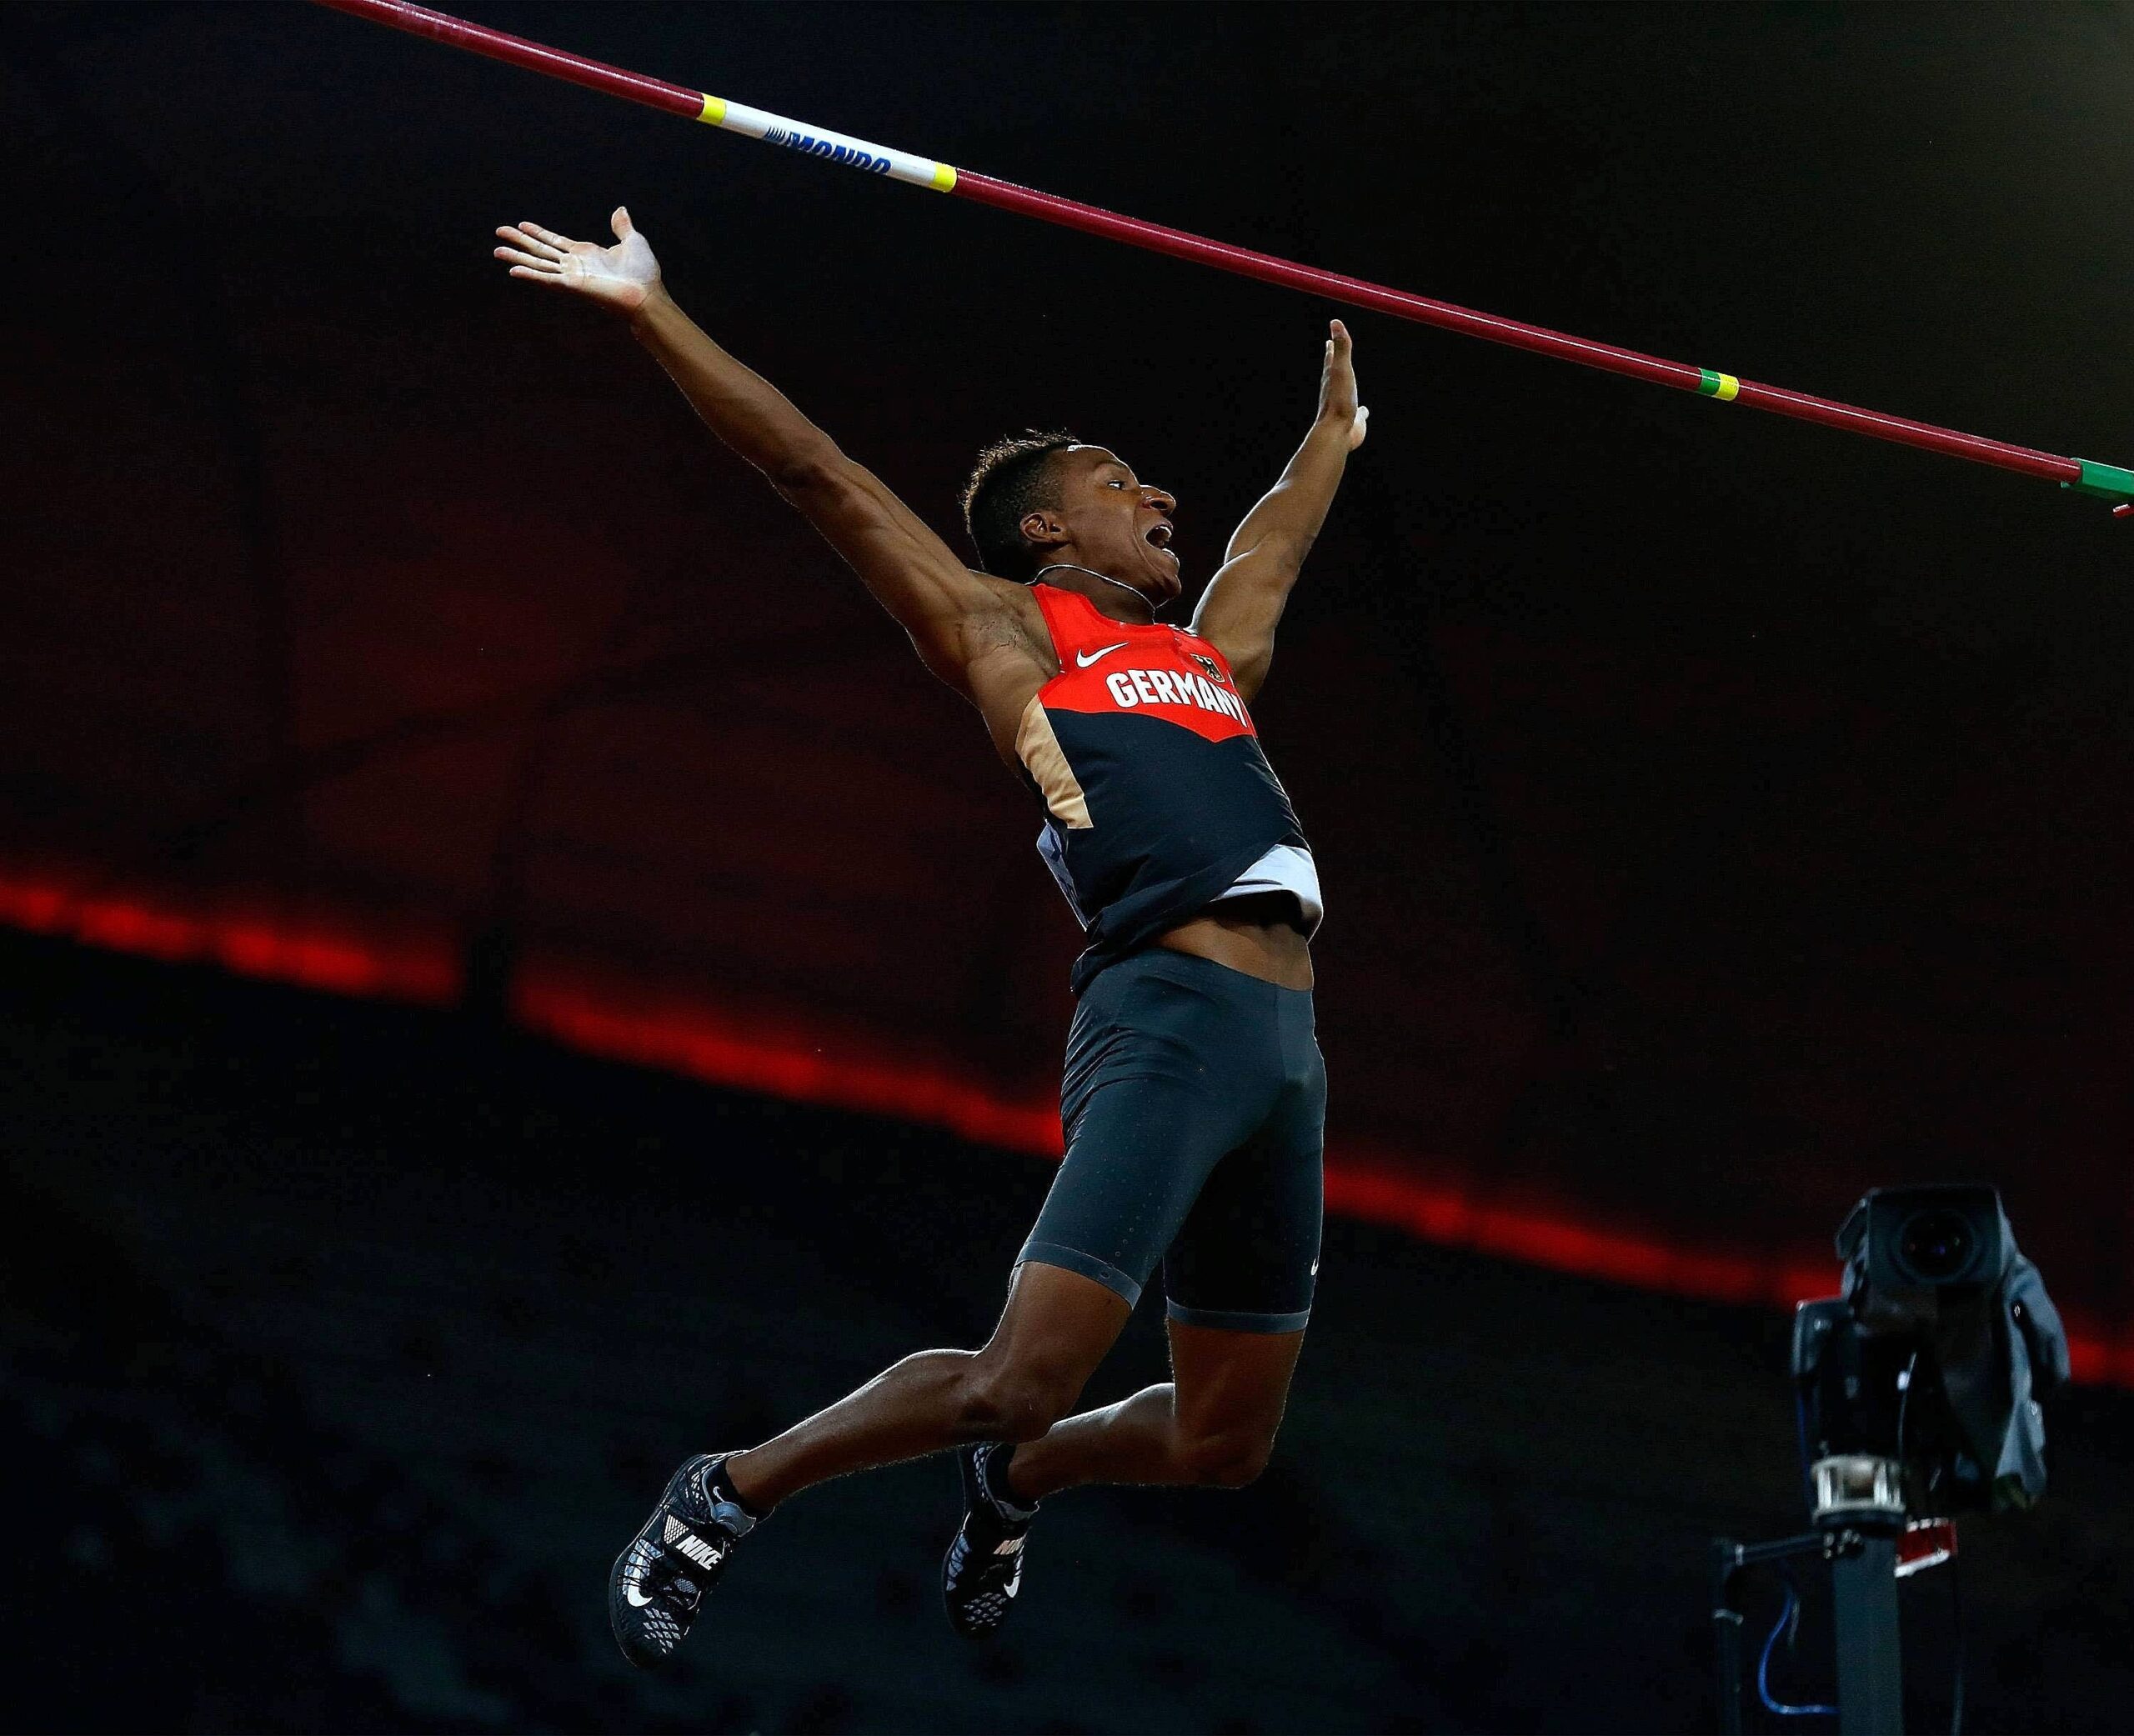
1083	659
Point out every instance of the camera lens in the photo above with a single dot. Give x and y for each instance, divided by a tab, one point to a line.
1936	1244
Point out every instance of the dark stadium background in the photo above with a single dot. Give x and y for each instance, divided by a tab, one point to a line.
511	973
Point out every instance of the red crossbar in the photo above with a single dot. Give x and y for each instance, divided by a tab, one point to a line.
2107	481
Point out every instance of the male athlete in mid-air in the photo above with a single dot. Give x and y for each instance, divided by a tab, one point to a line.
1194	1094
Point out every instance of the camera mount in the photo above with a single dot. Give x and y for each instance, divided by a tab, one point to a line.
1918	1390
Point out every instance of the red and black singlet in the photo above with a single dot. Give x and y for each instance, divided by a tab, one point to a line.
1157	797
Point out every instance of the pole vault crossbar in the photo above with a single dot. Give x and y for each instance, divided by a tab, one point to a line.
2108	482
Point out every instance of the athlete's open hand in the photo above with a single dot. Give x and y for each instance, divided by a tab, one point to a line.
622	276
1337	387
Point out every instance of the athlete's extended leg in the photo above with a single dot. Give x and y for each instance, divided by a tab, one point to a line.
1056	1327
1214	1422
1055	1330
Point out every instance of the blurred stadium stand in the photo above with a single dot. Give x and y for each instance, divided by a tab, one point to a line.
345	1344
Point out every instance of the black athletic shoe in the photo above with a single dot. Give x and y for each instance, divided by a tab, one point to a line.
658	1583
983	1569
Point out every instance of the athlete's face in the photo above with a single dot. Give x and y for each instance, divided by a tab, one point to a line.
1111	520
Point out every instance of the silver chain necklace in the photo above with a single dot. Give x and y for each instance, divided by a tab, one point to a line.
1070	567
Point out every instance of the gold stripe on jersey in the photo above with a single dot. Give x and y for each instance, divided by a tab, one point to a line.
1038	748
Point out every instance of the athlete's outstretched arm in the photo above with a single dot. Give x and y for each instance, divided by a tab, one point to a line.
951	612
1244	602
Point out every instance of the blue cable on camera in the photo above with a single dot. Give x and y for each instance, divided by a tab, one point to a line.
1763	1665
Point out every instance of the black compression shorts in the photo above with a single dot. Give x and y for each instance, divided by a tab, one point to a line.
1193	1103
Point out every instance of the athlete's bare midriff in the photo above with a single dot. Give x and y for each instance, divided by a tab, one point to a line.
1249	934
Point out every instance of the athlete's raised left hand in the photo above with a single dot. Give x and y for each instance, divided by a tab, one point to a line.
1337	387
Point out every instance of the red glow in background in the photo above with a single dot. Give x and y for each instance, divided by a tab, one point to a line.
614	1021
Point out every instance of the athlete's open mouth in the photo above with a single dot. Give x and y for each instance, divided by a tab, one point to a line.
1158	535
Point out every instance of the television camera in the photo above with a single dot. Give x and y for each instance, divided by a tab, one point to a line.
1919	1390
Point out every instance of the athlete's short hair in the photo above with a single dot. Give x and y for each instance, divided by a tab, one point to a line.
1012	478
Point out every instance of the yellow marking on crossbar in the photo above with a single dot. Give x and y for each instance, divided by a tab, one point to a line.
944	178
714	112
1729	388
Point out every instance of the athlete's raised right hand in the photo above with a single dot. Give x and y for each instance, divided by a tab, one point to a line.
622	276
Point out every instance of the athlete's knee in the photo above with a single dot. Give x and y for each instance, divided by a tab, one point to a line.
1016	1401
1229	1459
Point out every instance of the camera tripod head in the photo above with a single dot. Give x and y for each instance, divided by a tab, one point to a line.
1935	1356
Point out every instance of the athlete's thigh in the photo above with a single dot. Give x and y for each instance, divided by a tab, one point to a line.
1056	1325
1246	1258
1231	1382
1161	1082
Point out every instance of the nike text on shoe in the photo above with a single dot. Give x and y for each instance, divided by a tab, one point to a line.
983	1569
660	1581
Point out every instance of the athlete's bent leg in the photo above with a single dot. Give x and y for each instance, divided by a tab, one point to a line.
1213	1422
1056	1327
